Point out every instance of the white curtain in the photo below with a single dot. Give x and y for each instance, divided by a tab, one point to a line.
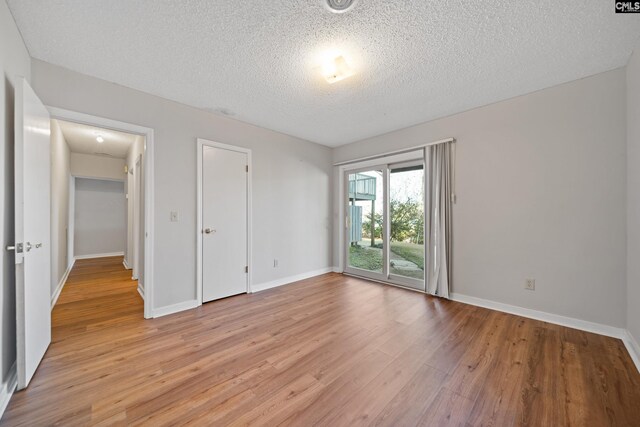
439	201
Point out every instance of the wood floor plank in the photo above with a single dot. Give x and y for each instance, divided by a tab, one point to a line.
331	350
500	402
543	389
408	407
335	392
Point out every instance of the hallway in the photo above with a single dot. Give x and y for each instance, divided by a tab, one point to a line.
98	298
98	292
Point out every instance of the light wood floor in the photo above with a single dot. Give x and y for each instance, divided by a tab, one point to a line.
330	351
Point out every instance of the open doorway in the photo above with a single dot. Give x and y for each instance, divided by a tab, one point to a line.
97	209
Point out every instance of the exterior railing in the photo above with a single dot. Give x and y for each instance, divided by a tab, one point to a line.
362	187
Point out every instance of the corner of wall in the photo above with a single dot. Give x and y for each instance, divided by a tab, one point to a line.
633	203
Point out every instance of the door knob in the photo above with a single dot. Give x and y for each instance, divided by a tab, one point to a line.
38	245
27	246
209	230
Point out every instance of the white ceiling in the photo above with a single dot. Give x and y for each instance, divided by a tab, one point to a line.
256	60
82	139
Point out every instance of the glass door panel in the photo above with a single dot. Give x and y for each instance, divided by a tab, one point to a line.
406	224
384	229
365	223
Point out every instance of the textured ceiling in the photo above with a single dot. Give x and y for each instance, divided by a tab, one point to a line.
82	139
256	60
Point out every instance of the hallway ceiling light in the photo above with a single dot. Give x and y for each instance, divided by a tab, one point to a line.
336	69
100	139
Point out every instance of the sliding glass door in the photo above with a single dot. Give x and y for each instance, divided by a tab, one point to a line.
384	230
365	237
406	224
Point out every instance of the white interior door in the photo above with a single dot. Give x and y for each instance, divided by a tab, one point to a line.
32	231
224	222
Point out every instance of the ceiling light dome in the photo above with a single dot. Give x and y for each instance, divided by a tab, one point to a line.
340	6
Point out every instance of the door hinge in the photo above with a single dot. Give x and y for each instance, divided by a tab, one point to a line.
247	168
246	269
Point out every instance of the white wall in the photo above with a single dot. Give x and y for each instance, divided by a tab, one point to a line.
92	166
291	180
14	62
60	177
541	193
633	195
100	223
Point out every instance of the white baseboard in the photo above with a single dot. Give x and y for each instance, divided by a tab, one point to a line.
597	328
141	291
8	388
336	269
174	308
632	347
286	280
56	294
583	325
186	305
105	255
126	266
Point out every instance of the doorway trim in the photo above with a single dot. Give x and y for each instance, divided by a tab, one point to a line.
208	143
91	120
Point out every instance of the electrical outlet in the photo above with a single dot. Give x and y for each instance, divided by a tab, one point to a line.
275	263
530	284
173	216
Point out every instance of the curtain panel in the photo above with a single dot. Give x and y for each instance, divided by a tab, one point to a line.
439	206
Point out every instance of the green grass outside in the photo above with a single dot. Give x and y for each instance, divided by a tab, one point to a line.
361	257
366	259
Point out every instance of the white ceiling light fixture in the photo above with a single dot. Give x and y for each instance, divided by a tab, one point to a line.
340	6
336	69
100	139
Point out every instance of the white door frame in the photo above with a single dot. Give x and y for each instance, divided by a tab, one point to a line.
71	229
201	144
87	119
135	229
